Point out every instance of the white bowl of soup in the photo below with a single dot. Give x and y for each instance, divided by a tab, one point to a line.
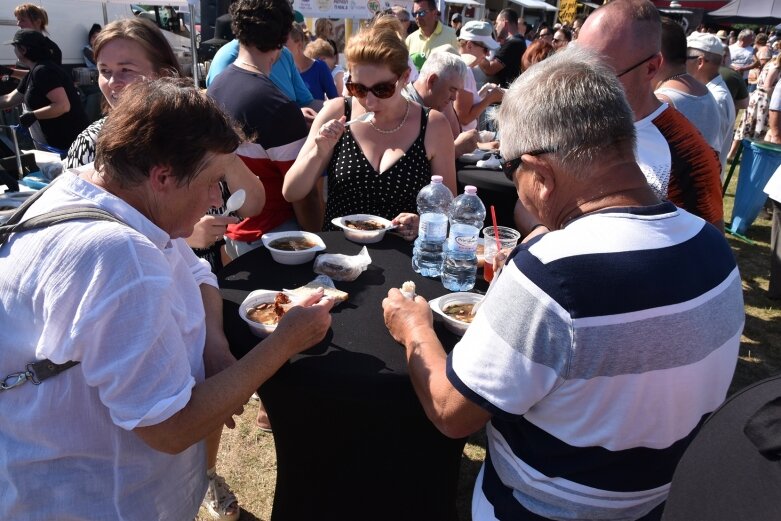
363	228
455	309
293	247
263	308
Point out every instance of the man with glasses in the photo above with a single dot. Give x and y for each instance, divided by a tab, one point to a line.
561	38
588	359
506	64
431	33
677	161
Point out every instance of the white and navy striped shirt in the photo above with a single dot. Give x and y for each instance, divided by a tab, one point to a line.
599	350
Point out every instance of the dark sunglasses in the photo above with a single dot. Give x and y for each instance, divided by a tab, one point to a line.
636	65
421	13
381	90
510	166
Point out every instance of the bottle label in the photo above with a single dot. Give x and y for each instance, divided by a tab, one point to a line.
463	238
433	227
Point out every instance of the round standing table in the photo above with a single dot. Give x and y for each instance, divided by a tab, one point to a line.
352	440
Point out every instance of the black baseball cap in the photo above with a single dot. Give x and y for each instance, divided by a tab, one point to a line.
28	38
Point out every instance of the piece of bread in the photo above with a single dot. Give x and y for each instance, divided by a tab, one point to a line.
308	289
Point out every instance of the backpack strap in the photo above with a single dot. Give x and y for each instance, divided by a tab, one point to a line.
36	372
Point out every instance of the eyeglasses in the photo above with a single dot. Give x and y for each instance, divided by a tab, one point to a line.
421	13
636	65
694	57
382	90
509	167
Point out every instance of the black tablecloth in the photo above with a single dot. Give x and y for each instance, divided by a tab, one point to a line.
352	439
493	188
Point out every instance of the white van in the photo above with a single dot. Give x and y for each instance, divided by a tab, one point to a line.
69	24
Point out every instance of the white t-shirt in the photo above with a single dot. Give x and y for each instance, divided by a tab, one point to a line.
125	302
653	153
741	57
724	100
470	85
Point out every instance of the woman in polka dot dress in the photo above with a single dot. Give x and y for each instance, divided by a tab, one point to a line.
376	167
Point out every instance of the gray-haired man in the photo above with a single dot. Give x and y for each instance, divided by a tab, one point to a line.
602	344
441	77
742	52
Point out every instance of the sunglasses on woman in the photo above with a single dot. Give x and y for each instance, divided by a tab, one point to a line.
381	90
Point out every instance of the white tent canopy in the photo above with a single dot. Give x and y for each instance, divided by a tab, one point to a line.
536	4
463	2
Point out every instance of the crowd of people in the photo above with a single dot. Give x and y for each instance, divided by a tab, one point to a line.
609	336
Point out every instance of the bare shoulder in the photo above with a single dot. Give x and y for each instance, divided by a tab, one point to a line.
333	108
438	123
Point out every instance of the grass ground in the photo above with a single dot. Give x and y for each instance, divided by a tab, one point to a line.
247	458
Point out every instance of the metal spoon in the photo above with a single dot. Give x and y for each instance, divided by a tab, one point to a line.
235	201
363	118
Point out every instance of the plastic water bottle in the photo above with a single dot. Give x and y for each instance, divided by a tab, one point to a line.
467	213
433	204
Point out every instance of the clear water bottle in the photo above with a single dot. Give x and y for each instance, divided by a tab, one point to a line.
433	204
467	213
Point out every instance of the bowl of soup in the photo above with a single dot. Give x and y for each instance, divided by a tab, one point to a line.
456	310
293	247
363	228
263	309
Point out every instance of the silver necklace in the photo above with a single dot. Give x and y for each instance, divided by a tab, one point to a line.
391	131
675	77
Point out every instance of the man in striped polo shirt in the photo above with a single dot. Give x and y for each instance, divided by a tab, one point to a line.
604	342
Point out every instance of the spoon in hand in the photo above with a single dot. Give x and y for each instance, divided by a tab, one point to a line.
363	118
235	201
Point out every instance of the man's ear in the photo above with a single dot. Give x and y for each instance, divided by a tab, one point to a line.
543	173
431	81
161	179
653	65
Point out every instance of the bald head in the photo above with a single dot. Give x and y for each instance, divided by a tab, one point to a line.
623	27
627	35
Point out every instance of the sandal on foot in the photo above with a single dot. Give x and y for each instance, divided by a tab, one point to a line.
220	501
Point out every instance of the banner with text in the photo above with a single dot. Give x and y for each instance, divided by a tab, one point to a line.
355	9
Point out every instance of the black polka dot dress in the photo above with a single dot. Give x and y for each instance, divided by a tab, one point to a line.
354	186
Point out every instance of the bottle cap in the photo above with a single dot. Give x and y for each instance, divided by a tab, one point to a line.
436	179
471	190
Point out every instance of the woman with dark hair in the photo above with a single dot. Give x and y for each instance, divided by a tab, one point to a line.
131	50
247	93
118	433
52	108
